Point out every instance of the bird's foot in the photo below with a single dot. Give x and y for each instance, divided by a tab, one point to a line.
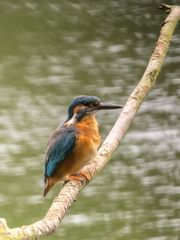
86	176
80	177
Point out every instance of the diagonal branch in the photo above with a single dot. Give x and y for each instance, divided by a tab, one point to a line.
70	191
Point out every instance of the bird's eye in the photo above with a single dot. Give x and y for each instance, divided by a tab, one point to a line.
91	105
95	103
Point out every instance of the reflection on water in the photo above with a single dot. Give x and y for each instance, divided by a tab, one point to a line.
54	51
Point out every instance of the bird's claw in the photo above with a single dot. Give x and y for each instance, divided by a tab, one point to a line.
80	177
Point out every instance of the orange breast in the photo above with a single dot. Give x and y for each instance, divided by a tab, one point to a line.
88	141
88	130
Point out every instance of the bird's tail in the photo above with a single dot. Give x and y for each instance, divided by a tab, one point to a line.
48	186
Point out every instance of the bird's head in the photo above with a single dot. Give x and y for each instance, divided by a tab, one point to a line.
82	106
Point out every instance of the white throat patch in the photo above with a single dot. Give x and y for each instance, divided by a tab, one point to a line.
71	121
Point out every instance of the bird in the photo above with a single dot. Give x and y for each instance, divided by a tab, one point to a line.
75	142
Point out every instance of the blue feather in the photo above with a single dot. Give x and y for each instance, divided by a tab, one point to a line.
61	145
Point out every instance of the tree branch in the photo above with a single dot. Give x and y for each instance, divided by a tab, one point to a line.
70	191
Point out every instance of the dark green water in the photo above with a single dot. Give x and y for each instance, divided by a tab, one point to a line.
51	51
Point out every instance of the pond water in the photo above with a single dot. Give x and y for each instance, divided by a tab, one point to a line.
52	51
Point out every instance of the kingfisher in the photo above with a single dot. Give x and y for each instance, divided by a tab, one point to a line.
75	142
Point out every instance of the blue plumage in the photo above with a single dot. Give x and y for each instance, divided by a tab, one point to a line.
61	145
75	142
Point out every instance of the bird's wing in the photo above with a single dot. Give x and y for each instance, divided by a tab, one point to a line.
60	146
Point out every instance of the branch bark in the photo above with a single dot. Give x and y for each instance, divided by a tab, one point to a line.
70	191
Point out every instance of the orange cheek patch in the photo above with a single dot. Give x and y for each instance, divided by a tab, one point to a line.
78	108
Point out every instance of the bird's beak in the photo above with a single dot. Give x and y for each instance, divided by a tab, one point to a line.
104	106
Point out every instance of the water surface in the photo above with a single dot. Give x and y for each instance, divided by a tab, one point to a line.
51	52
